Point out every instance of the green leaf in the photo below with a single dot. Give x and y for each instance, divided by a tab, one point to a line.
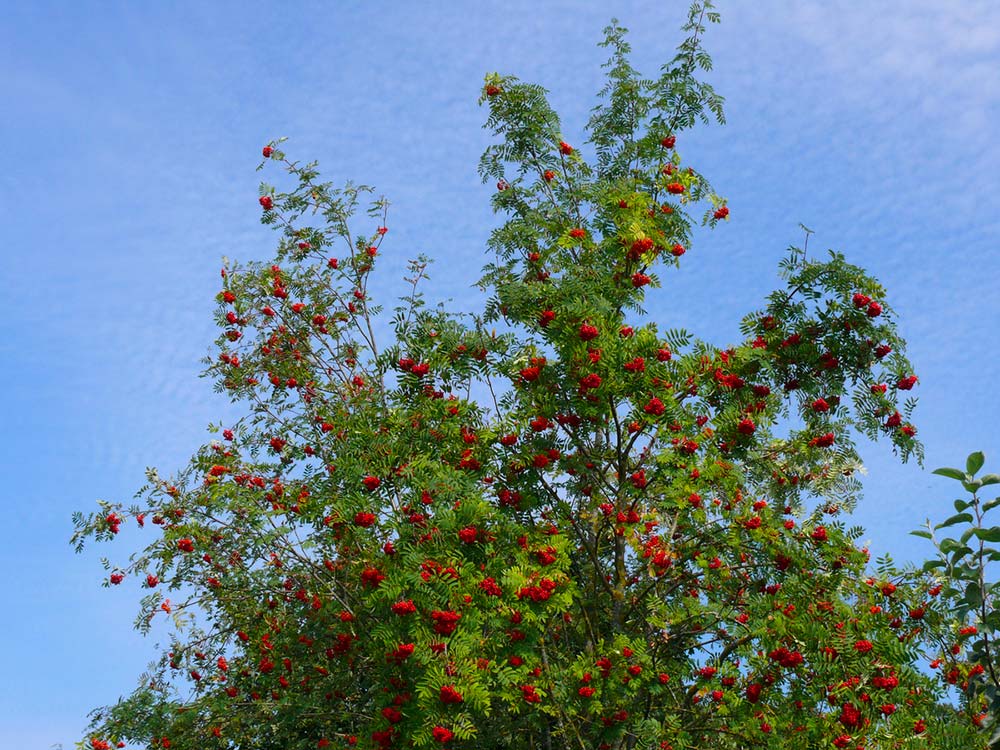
993	617
961	505
991	534
972	486
958	517
974	462
991	504
965	573
973	595
950	473
922	534
951	546
995	737
990	479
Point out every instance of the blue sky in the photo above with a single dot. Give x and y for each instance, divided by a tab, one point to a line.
130	134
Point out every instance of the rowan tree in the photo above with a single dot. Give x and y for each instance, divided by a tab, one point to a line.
550	524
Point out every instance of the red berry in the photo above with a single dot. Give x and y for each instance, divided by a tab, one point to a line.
820	405
442	734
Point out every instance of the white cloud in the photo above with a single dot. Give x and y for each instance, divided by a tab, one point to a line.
945	56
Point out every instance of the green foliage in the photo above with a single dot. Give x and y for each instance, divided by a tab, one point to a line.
968	649
578	532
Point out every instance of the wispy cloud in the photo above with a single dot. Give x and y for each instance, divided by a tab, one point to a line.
942	55
132	137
